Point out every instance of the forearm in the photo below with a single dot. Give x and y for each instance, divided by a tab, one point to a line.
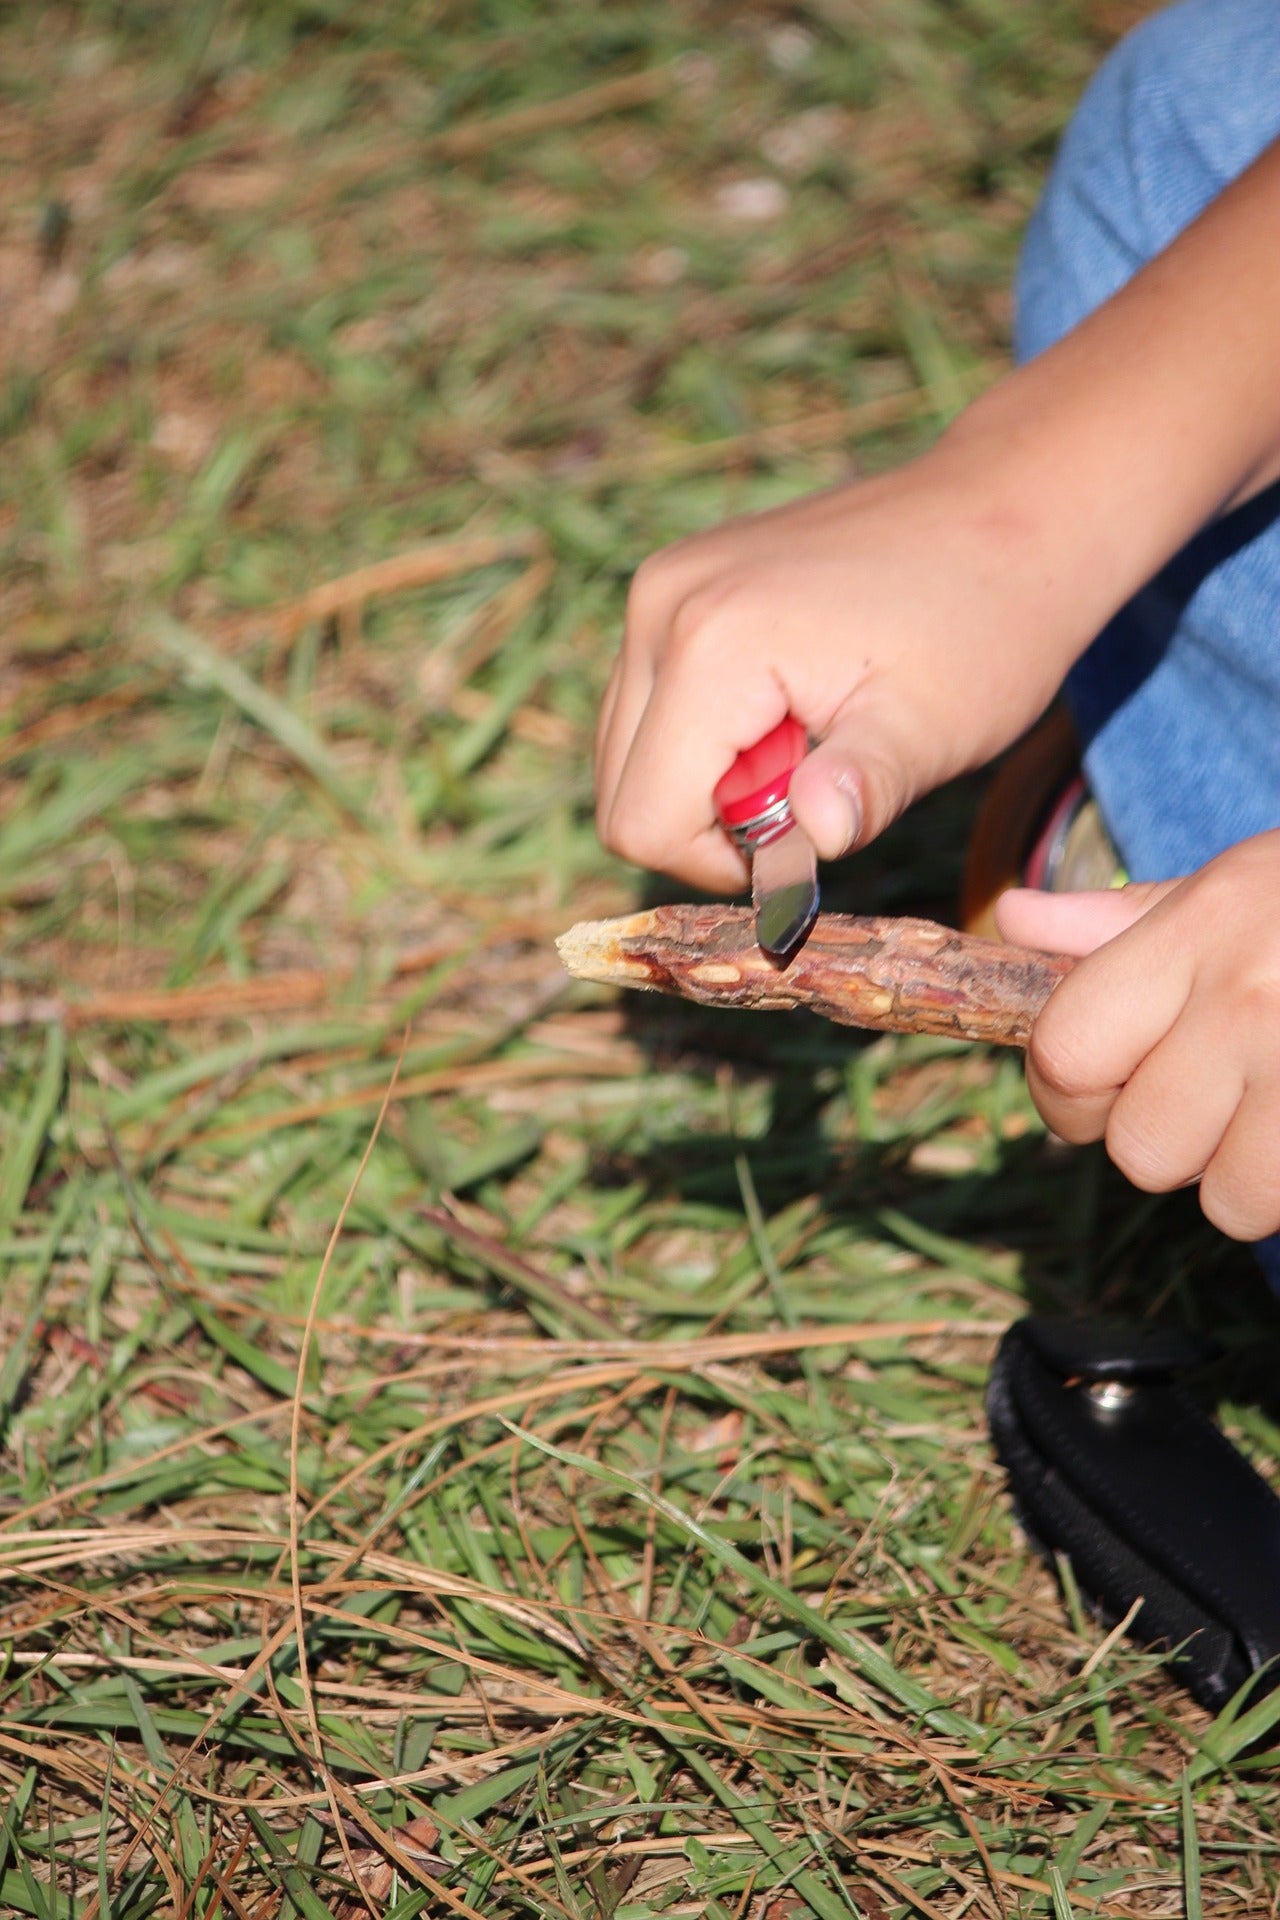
915	624
1103	456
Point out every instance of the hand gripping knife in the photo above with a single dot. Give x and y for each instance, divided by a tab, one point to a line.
752	805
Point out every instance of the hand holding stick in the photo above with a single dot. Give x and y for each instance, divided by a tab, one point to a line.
892	975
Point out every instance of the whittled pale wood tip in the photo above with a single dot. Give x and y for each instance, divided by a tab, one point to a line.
890	975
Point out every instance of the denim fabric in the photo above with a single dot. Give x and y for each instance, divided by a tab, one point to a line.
1178	700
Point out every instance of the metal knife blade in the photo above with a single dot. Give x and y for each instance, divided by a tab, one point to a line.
752	805
784	893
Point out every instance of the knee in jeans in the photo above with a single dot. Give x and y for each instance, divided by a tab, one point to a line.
1180	107
1202	86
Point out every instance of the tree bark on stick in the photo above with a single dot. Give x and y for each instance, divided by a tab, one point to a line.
892	975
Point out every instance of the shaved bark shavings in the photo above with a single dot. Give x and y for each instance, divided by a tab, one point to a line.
892	975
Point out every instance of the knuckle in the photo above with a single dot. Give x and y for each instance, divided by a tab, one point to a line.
1245	871
702	616
605	827
1212	886
623	831
1078	1126
648	583
1076	1122
1256	998
660	584
1055	1056
1242	1209
1221	1204
1139	1157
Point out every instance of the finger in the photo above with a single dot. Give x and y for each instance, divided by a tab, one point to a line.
684	733
826	798
1077	1116
620	713
1168	1121
1074	922
604	724
651	602
1108	1014
1240	1188
663	815
857	780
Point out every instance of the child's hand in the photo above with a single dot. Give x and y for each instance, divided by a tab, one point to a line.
1165	1040
916	624
904	621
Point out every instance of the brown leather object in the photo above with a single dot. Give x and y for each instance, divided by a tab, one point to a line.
1012	814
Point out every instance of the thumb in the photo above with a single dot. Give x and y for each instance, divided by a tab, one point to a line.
1075	923
849	789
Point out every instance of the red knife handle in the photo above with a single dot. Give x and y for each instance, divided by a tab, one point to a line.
754	790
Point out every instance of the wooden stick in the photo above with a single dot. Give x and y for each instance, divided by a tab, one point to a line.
895	976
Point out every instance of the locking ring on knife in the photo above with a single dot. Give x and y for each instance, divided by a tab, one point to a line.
748	835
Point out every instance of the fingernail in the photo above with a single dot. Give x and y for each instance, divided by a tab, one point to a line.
846	786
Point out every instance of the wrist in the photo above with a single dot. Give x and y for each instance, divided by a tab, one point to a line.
1160	412
1043	581
1154	416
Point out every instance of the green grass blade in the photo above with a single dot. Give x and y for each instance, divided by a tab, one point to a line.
861	1654
14	1366
23	1149
1062	1908
203	666
1190	1854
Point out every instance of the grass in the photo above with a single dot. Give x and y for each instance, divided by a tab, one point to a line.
467	1445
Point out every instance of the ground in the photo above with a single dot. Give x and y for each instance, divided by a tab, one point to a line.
469	1445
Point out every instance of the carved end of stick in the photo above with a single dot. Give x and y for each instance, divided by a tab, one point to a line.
889	975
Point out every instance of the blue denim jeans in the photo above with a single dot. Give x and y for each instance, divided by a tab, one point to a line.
1178	700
